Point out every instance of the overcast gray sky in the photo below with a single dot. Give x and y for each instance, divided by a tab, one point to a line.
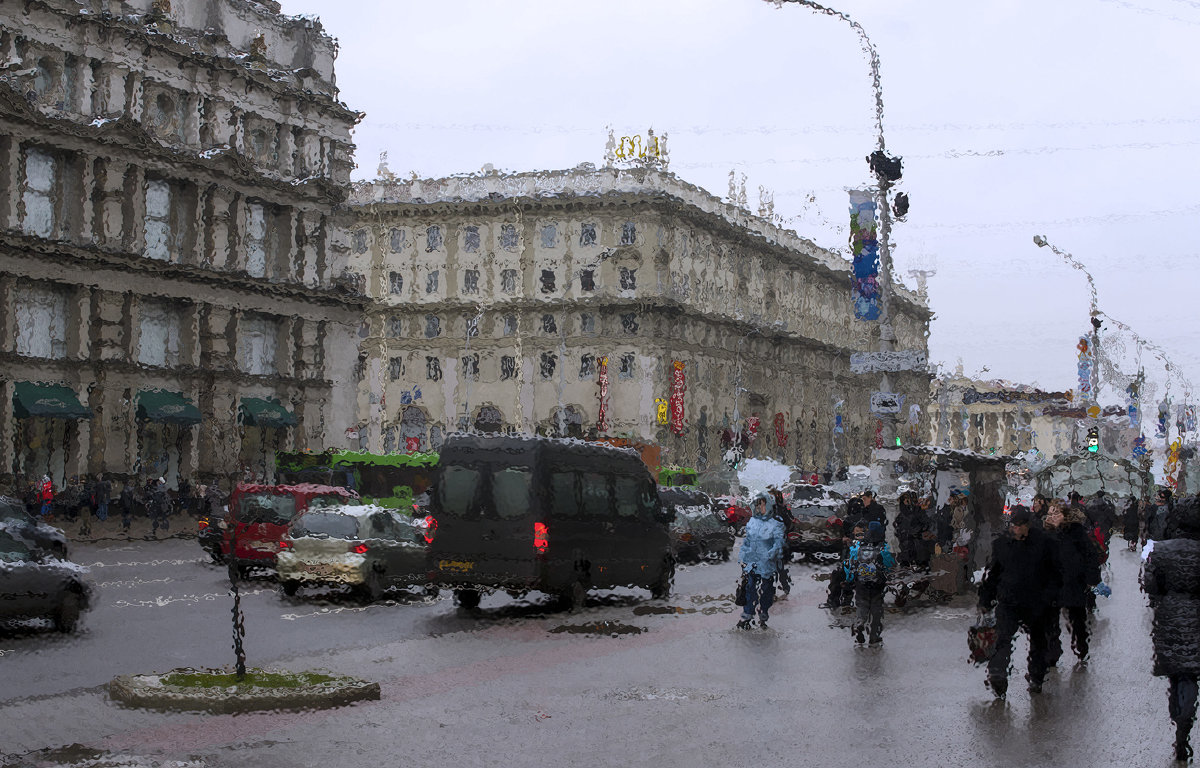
1074	119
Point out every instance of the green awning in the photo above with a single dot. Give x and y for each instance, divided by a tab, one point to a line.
257	412
53	400
169	407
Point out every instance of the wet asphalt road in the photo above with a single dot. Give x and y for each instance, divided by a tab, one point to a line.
626	681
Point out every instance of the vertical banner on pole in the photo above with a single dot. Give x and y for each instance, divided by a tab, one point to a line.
1085	369
678	387
864	245
602	378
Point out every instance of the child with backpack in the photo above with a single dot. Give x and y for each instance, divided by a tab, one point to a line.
867	569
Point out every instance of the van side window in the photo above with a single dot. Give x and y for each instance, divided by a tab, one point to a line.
627	497
458	489
595	494
510	491
564	499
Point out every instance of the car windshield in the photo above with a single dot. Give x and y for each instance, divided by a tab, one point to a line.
11	550
267	508
331	524
327	501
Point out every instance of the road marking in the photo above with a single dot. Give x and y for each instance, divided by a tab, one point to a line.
164	600
134	582
148	562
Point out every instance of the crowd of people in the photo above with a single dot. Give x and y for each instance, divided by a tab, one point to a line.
84	499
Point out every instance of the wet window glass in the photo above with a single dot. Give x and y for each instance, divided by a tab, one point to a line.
330	524
587	323
548	324
628	279
471	281
628	233
508	280
458	489
587	280
627	497
629	322
398	238
508	367
594	493
395	283
587	234
587	366
266	508
433	237
508	236
433	326
562	493
395	368
547	281
471	239
431	282
433	368
510	325
11	550
549	235
549	362
510	491
395	326
325	502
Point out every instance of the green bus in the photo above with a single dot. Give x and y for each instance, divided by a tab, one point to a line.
387	479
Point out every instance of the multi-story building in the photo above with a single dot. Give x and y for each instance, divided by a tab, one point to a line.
610	302
170	304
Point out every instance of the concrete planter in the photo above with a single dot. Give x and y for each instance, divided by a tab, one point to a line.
150	692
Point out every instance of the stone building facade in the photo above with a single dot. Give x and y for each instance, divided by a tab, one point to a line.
170	303
610	302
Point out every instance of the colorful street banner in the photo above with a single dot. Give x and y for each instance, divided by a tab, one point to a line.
1086	361
781	435
678	387
1133	403
1164	413
864	245
602	378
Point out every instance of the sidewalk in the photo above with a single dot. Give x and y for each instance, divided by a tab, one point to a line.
182	527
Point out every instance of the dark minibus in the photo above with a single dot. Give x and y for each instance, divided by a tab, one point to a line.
555	516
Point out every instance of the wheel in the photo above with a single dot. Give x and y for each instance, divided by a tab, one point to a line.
467	598
431	591
662	588
290	586
66	617
573	596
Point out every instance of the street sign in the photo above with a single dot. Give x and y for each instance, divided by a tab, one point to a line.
888	362
886	402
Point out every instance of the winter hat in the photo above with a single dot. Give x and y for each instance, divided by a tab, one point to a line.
874	531
763	496
1020	515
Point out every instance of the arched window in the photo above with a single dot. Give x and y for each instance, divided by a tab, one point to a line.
489	419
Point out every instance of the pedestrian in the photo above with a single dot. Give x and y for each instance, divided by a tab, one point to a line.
101	496
1039	507
868	567
1131	523
762	548
159	504
46	497
912	523
1021	583
784	516
1171	578
127	501
873	510
944	522
1080	562
1158	516
840	592
1102	516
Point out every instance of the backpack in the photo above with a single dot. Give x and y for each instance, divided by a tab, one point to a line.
868	563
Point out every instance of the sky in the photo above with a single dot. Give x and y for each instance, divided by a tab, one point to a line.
1076	120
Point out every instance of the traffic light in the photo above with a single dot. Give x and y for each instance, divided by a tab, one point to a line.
1093	441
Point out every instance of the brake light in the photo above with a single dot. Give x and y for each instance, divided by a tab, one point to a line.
285	545
686	537
359	549
203	524
541	538
430	528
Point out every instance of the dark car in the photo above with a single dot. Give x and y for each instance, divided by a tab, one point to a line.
555	516
24	527
736	512
369	549
699	530
34	586
816	530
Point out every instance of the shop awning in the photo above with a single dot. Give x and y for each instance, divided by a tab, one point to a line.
164	406
257	412
53	400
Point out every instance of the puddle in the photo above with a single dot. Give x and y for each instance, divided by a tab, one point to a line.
657	610
610	628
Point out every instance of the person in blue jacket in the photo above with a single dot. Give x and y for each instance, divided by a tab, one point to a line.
760	556
867	569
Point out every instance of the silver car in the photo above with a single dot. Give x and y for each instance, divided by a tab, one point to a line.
367	548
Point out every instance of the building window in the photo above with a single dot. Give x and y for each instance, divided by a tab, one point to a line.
257	345
433	369
587	366
587	280
587	234
38	197
359	241
433	326
549	235
547	281
548	363
471	239
471	281
628	233
510	325
626	368
629	322
587	323
395	283
628	279
158	220
256	240
508	367
41	313
508	237
470	367
399	239
158	334
433	238
431	282
396	327
473	326
395	368
45	82
548	324
508	281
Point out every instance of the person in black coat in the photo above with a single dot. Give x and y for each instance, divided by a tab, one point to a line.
1022	582
1080	572
911	526
1171	578
1131	523
1159	516
873	511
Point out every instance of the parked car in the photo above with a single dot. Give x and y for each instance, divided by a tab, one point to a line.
34	585
39	536
736	512
816	530
258	516
699	530
555	516
367	548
